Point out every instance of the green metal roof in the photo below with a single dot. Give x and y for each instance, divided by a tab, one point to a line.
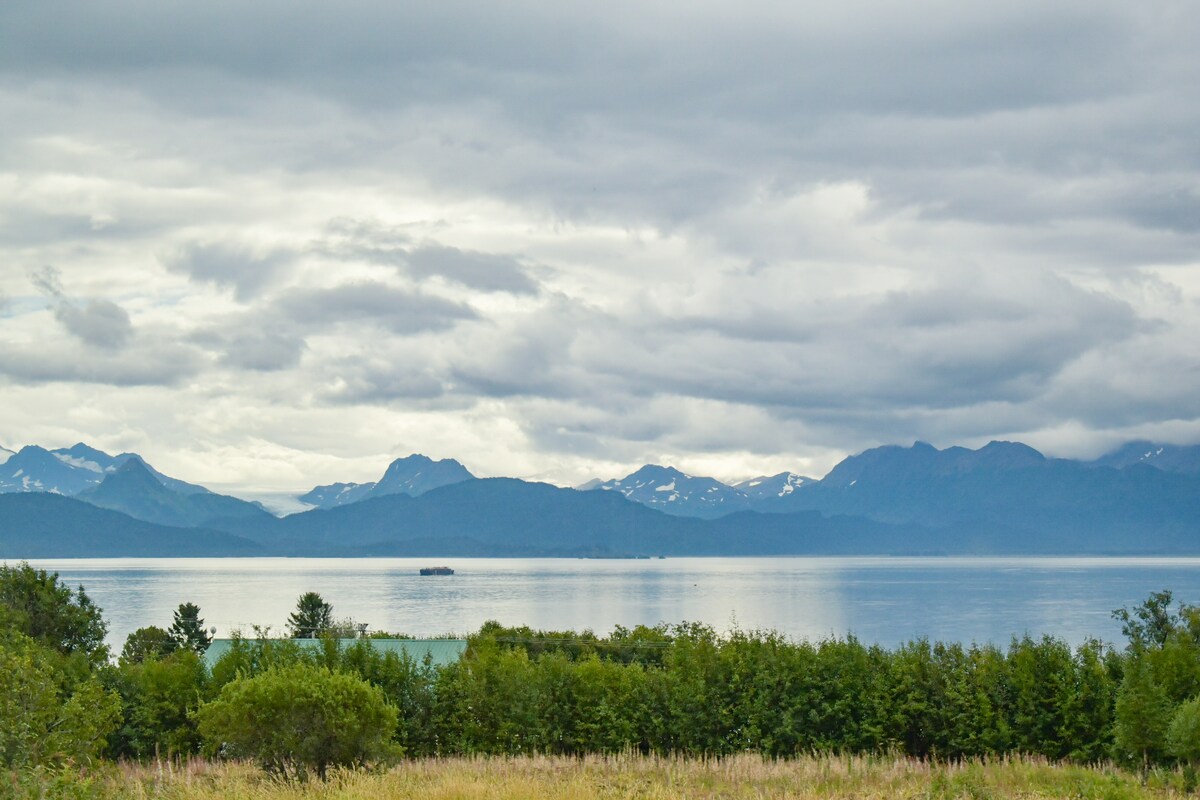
441	652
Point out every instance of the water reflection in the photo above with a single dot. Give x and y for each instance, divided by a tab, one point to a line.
885	600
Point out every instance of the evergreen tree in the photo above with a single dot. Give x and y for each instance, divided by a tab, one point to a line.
1143	714
187	631
312	617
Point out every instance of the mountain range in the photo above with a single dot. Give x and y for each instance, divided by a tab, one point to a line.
1004	497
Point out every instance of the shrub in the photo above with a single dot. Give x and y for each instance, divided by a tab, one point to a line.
297	720
1183	735
41	722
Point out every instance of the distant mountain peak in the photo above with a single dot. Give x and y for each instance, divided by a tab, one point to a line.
81	450
36	469
907	464
135	470
412	475
416	474
332	495
83	457
770	486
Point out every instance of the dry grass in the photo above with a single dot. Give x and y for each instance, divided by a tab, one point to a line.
631	776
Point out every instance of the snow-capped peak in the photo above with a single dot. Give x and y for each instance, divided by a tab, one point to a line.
780	485
667	489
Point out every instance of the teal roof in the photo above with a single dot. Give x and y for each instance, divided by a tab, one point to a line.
441	652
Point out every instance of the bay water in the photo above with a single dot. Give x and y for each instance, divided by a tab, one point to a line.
878	600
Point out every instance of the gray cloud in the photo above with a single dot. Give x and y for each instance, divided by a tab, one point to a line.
396	310
375	381
241	269
358	240
497	273
153	365
48	281
262	351
98	322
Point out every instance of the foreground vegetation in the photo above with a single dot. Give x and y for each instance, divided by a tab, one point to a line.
661	693
827	777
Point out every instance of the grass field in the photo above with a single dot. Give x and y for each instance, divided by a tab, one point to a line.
629	777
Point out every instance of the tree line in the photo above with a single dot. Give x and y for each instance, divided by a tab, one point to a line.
667	689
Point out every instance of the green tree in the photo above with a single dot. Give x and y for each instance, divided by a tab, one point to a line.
187	629
1143	713
1089	705
148	643
299	720
1149	624
159	696
39	605
312	616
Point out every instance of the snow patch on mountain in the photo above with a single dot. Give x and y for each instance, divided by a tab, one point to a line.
764	487
80	463
671	491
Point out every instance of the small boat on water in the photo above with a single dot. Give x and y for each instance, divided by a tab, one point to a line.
436	571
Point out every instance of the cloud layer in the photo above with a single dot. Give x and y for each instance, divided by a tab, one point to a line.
278	244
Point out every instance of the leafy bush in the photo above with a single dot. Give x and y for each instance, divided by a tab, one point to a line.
297	720
144	644
1183	734
45	717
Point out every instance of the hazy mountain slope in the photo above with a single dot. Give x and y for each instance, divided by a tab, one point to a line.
498	511
503	516
506	517
1003	486
133	490
44	525
1167	457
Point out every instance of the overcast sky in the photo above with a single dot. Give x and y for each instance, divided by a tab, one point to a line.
273	244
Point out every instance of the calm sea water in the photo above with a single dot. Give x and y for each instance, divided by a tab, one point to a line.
885	600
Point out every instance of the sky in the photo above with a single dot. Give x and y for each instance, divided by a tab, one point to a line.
274	244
